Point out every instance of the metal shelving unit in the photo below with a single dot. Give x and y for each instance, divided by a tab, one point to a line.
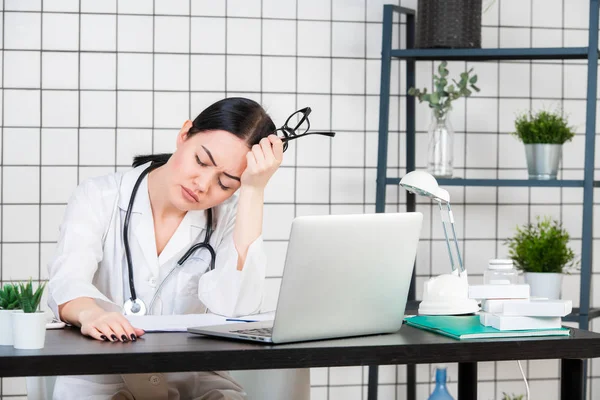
581	315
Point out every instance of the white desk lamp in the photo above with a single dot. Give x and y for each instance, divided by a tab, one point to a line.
446	294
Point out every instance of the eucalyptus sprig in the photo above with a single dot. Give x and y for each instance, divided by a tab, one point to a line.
444	93
541	247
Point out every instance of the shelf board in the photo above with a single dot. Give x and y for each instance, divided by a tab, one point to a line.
501	182
574	316
541	53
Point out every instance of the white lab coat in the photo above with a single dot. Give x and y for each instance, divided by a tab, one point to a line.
90	261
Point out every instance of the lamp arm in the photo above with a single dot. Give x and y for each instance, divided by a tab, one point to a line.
446	235
460	262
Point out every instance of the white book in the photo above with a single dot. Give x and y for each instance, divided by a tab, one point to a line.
484	318
538	308
481	292
510	323
496	306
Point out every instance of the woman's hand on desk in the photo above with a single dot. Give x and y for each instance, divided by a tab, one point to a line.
96	322
110	326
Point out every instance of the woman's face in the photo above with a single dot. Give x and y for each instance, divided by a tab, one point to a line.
205	169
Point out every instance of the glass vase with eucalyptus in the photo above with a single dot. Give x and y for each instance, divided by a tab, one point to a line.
440	145
440	148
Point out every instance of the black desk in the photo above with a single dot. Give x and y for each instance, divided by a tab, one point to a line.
69	353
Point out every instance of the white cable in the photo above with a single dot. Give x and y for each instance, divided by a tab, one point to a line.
525	379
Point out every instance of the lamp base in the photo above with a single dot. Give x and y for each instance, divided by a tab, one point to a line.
447	294
468	306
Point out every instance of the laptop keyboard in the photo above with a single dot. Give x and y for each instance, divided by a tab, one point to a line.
255	332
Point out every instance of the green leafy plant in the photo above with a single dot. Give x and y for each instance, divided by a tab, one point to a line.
506	396
9	297
541	247
444	93
543	127
28	299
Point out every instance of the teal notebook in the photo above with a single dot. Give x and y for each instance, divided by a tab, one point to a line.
469	327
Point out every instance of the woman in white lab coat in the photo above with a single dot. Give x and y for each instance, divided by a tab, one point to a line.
223	160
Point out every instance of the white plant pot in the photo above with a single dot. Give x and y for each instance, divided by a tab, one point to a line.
6	327
29	330
544	284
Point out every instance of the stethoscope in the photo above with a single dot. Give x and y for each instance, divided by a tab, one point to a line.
135	305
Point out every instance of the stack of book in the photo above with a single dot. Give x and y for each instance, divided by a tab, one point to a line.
510	308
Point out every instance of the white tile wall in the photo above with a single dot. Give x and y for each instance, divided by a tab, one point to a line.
86	85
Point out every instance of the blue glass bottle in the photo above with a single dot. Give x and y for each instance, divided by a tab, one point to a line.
441	390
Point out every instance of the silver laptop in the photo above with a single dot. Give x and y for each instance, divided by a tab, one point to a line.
344	275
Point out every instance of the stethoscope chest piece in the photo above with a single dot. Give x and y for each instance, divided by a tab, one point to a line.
134	307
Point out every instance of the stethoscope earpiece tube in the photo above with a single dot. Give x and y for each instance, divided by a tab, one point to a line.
126	231
135	306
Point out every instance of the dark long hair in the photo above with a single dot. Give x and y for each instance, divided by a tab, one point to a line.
242	117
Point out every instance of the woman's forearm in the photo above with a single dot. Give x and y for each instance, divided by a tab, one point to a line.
76	310
248	222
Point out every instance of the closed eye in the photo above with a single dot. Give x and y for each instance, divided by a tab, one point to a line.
200	162
223	186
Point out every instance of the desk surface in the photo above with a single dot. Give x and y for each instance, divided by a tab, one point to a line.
67	352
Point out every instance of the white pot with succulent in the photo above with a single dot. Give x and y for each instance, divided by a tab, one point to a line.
440	151
29	327
9	304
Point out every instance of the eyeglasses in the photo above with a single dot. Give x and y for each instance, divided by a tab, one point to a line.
300	130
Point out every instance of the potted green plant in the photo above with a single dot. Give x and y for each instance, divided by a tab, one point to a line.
541	251
506	396
29	327
441	135
9	303
543	135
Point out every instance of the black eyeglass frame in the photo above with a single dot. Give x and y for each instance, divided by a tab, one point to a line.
290	133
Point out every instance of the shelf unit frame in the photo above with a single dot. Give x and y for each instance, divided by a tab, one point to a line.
581	315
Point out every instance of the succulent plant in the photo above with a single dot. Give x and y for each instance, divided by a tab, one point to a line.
512	396
28	299
9	297
440	100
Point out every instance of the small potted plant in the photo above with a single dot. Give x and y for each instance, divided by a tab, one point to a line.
506	396
29	327
441	134
541	251
543	135
9	303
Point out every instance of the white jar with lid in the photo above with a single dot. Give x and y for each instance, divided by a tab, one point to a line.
500	272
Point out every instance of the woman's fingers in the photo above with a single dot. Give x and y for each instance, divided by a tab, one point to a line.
107	332
129	330
262	161
138	332
258	155
267	150
96	334
251	161
277	147
117	327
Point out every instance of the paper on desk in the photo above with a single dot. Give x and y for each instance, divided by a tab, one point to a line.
181	323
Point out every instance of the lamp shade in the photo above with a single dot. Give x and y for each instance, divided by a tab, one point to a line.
424	184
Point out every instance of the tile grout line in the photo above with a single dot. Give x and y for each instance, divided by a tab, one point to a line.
39	246
330	144
116	130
